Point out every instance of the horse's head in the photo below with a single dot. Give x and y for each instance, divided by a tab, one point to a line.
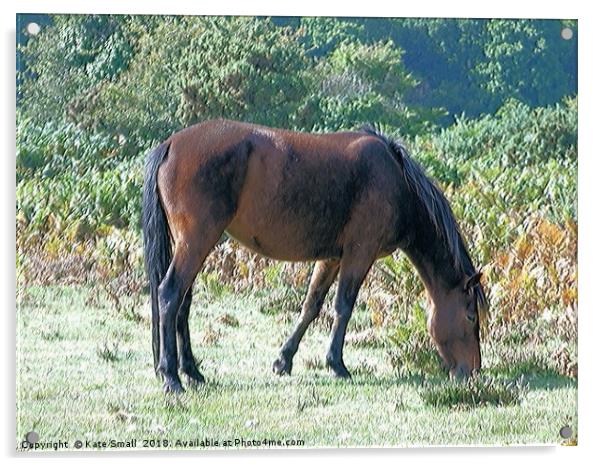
454	324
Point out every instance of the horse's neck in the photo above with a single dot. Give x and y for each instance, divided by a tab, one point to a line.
433	263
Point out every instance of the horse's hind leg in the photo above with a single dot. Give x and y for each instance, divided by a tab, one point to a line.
199	193
193	242
323	275
171	294
186	361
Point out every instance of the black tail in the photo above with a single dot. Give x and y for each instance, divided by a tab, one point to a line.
157	241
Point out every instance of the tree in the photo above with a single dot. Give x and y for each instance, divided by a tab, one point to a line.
472	66
528	60
363	83
139	79
68	61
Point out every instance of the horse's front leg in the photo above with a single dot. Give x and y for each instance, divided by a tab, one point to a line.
354	267
322	278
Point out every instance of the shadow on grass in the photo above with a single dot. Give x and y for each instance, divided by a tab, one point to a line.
536	376
316	380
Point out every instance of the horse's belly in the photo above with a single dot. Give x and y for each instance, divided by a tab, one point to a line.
293	208
280	242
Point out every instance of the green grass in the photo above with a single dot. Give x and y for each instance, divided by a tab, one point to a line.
474	392
84	372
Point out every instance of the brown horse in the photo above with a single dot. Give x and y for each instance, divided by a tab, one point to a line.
342	200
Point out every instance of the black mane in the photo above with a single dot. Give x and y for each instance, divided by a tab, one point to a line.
432	199
438	211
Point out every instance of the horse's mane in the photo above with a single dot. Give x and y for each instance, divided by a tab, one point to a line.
431	198
438	211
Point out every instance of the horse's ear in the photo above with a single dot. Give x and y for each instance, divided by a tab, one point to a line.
472	281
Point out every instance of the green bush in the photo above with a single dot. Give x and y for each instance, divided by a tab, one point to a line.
502	169
72	184
411	350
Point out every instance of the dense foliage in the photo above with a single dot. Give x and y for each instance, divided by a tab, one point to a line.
466	66
488	107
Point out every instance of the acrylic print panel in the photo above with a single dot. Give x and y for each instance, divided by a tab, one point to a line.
447	229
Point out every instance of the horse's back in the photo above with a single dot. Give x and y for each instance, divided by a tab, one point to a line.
287	195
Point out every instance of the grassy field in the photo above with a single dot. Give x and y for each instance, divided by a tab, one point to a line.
84	372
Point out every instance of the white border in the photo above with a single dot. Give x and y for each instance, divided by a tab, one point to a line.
589	207
422	8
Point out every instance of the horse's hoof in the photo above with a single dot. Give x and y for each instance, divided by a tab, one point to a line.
340	371
282	366
173	387
343	375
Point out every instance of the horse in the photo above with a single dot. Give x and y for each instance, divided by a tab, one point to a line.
341	200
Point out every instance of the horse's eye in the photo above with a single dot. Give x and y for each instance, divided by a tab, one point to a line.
472	318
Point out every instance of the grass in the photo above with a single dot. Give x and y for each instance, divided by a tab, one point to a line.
85	373
475	392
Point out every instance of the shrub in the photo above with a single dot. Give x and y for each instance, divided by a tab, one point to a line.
513	188
411	351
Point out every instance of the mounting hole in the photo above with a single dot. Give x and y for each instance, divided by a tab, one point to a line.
33	28
566	33
32	437
566	432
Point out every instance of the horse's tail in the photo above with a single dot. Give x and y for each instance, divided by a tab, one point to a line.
157	241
